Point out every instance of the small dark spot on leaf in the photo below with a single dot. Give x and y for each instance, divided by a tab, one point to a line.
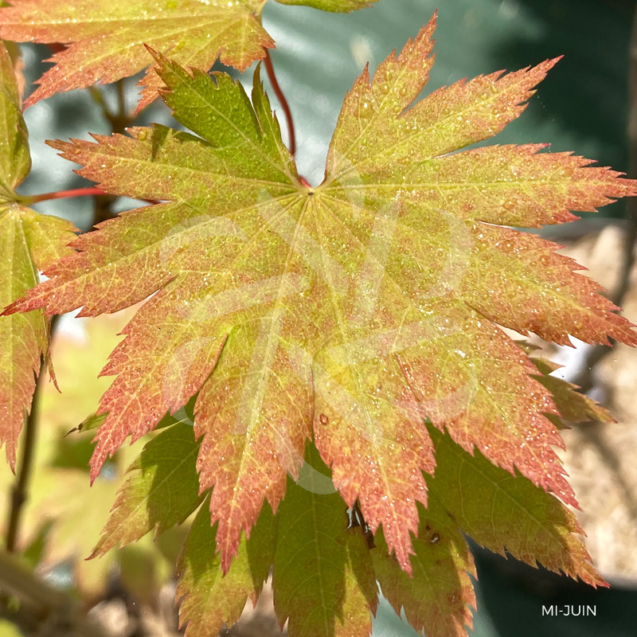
435	538
323	419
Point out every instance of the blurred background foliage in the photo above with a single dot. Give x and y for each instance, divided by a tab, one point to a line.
581	107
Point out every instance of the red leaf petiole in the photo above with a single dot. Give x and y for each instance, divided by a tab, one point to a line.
28	200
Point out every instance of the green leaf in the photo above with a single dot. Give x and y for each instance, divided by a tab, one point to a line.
95	420
161	489
210	600
323	576
28	242
507	513
106	38
338	6
572	405
90	423
439	596
15	161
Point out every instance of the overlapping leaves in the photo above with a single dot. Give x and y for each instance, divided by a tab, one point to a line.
325	565
28	242
63	516
347	314
106	39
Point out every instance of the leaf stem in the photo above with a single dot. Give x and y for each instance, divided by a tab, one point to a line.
98	98
119	121
28	200
283	101
121	100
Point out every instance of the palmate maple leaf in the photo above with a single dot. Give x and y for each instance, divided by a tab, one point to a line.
349	312
28	242
106	39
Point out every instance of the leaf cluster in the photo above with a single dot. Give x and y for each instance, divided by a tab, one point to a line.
336	399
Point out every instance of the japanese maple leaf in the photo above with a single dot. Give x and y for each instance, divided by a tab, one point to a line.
324	563
349	312
106	39
28	242
324	570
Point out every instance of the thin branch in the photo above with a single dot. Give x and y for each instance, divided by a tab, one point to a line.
121	118
119	121
98	98
631	205
29	200
20	490
281	97
17	580
122	113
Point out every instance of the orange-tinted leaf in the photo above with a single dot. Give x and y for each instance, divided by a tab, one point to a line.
351	311
251	437
28	242
106	39
62	507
